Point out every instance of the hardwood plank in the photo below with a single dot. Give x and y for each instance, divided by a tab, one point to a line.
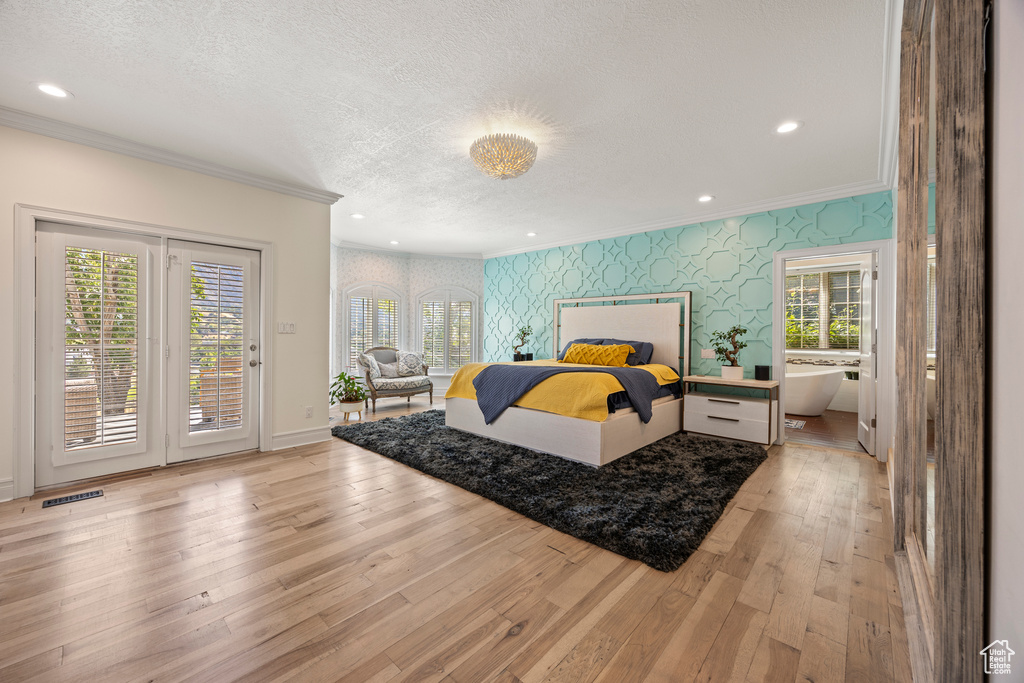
686	651
868	651
787	620
822	660
774	662
733	651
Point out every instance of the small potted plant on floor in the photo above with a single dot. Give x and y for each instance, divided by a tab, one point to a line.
348	394
727	346
521	336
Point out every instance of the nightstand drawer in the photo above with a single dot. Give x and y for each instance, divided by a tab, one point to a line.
743	429
722	405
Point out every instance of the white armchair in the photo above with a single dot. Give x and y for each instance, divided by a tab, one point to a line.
411	375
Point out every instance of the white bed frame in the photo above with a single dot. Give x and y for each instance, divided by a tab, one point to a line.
596	443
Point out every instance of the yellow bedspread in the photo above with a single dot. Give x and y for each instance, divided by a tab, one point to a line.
573	394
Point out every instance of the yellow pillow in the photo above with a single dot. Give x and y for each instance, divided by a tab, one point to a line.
589	354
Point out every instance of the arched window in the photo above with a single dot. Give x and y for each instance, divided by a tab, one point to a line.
372	315
447	328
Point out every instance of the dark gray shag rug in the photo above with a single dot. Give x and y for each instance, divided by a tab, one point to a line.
655	505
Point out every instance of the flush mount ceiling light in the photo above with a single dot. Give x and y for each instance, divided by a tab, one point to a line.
531	234
503	155
358	215
705	198
789	126
54	90
394	242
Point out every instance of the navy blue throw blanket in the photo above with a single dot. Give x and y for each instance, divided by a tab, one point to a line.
499	386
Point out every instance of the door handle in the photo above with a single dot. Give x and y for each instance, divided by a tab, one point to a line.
253	363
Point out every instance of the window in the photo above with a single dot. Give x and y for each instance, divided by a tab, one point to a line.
373	315
446	328
101	333
823	310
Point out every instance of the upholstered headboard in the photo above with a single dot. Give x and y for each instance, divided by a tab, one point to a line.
666	325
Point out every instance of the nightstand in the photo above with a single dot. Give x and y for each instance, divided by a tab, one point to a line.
743	418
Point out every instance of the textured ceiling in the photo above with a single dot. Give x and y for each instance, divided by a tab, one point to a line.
637	107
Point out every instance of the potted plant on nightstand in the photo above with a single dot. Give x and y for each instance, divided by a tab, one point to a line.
521	336
348	394
727	346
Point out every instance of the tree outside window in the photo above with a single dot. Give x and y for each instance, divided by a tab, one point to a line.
823	310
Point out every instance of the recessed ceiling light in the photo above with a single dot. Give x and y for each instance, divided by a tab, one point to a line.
54	90
705	198
788	126
394	242
531	234
358	215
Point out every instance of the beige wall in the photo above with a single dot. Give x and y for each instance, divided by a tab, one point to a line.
1006	534
54	174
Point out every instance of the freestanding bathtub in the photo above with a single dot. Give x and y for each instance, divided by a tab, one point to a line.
810	392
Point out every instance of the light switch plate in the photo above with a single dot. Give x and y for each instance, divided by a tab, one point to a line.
707	353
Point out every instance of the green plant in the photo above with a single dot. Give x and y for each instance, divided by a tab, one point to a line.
346	389
521	336
720	340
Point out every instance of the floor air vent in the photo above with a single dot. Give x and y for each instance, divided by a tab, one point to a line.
71	499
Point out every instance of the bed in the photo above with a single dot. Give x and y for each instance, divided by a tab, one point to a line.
666	324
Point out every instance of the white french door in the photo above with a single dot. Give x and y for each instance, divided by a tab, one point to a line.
97	333
213	350
867	381
147	352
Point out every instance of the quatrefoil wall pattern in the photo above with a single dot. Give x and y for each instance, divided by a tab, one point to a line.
727	264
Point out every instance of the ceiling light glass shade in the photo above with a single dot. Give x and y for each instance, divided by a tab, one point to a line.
503	155
54	90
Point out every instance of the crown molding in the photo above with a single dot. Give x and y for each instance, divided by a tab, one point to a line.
41	125
785	202
888	141
345	244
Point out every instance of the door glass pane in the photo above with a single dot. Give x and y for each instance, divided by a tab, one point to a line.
101	296
216	347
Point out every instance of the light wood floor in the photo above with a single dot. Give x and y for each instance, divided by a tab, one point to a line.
329	562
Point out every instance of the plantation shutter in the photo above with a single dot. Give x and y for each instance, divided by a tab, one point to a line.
460	333
360	325
433	329
373	320
216	346
101	334
387	323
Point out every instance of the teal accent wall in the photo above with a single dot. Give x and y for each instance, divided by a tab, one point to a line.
727	264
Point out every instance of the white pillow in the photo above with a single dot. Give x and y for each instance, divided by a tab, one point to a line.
389	370
370	363
409	364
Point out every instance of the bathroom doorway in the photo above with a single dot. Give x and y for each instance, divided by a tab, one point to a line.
833	345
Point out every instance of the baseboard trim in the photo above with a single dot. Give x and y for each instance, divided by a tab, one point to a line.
6	490
300	437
